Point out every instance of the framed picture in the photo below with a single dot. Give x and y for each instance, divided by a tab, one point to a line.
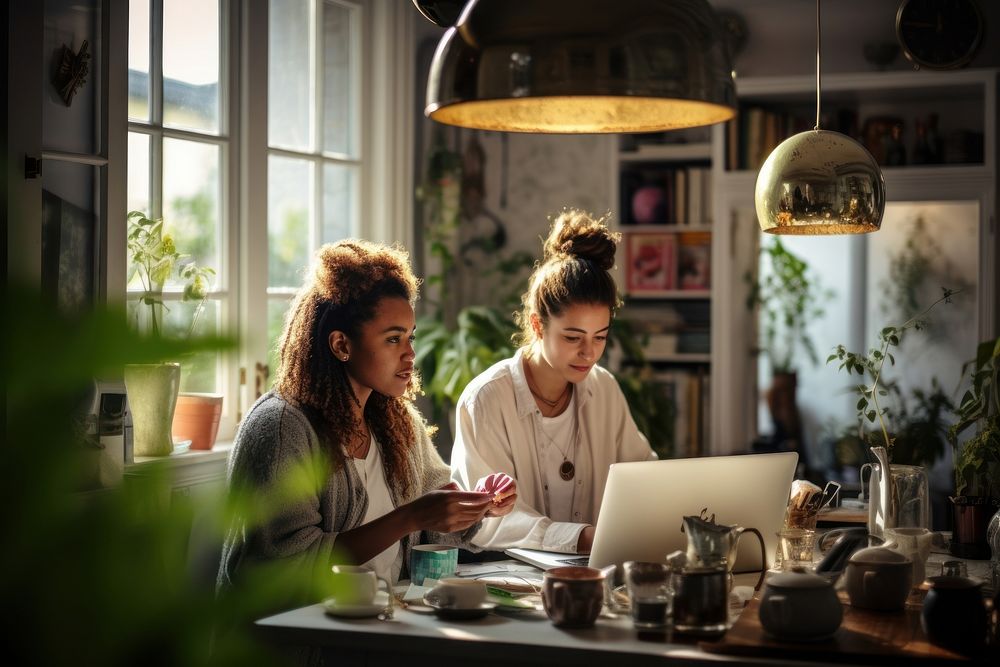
694	260
651	262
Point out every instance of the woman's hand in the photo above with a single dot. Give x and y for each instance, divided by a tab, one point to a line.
503	492
448	509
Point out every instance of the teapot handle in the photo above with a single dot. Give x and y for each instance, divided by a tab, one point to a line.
763	556
867	467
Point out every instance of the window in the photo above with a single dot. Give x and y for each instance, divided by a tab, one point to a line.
246	136
179	152
314	157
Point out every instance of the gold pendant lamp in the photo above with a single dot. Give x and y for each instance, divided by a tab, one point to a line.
819	182
580	66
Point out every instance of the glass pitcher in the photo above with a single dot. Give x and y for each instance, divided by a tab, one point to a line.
900	500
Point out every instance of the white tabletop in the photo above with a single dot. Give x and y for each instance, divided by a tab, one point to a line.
500	637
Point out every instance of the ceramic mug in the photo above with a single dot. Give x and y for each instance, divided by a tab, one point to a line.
456	593
432	561
573	596
355	585
878	578
915	544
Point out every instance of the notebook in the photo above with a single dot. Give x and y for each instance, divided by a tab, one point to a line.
644	502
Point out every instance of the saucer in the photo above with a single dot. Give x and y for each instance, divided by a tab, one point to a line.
460	613
374	608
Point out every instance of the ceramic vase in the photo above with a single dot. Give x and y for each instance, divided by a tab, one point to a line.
152	395
196	418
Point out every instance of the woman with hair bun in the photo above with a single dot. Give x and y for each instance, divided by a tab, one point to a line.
341	418
550	417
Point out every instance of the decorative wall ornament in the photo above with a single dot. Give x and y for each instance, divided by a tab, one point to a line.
72	71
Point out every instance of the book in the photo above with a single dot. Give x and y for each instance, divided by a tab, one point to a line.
651	262
694	260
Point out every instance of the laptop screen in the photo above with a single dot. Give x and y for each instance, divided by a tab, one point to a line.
644	504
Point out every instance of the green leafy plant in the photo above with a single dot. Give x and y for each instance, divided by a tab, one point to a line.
103	577
977	464
790	299
154	257
871	366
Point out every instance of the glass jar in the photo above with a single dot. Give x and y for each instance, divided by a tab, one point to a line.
993	539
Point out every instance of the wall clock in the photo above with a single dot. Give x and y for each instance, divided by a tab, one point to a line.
939	34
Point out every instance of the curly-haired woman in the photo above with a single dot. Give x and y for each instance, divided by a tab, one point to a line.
550	417
341	413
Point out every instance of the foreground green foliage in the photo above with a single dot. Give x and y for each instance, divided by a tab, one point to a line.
102	577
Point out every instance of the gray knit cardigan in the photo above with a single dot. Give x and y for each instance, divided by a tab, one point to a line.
275	441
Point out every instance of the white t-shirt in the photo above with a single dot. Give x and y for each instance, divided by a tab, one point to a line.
379	504
559	442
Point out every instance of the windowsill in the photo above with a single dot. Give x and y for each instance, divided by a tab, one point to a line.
191	467
220	452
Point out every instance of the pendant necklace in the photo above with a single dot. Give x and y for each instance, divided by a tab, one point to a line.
566	470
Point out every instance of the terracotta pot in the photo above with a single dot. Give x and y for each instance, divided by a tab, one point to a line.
196	417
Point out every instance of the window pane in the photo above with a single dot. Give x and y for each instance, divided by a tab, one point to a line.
138	172
191	64
921	248
339	202
138	59
276	309
339	86
198	372
289	220
191	209
290	89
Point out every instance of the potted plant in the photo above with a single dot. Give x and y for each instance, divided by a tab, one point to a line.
977	461
152	388
894	487
789	298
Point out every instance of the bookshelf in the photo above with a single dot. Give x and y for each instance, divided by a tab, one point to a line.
868	105
662	185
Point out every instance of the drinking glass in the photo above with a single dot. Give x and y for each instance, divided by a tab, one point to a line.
796	545
650	593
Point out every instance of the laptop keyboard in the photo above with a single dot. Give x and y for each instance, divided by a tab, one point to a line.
583	560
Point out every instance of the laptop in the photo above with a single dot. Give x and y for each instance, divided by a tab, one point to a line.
644	504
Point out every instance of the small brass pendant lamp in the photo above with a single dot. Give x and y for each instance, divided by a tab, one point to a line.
819	182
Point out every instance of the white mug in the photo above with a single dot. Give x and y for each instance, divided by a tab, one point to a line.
915	544
457	593
355	585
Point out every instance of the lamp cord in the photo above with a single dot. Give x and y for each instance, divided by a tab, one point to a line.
817	63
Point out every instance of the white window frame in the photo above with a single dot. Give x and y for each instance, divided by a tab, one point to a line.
224	290
385	187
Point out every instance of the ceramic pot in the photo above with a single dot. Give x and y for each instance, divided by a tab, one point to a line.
152	395
954	615
800	606
878	578
971	517
196	418
915	544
